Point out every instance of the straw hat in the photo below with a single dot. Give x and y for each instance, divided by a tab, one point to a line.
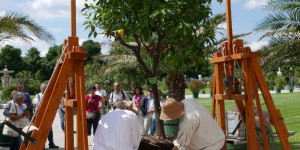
130	106
171	109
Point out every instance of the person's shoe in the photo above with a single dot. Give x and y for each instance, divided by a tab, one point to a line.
53	146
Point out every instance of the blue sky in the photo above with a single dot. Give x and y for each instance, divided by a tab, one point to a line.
54	15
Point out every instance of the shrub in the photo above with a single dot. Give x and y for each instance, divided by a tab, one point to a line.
195	86
279	83
6	93
270	77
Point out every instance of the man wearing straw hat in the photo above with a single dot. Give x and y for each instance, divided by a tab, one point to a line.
197	129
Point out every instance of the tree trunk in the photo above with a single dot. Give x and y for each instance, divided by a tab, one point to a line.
159	123
176	86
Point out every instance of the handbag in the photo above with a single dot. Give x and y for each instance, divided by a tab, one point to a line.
7	131
90	115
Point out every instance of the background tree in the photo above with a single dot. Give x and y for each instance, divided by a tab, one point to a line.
33	60
11	57
93	48
16	25
143	20
49	61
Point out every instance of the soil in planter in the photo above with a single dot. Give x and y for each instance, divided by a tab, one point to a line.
154	143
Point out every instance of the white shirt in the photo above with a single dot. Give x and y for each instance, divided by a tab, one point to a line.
37	99
197	129
117	130
150	100
118	96
101	93
152	107
15	108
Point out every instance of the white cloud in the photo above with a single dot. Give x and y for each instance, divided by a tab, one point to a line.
222	26
251	4
257	45
53	9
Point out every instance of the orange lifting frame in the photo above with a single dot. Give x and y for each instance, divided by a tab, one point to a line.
68	73
233	50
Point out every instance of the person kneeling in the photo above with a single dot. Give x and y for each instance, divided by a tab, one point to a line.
197	129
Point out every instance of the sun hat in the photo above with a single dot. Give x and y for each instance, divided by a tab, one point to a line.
171	109
130	106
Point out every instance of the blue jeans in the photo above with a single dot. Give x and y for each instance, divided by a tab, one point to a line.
15	143
153	127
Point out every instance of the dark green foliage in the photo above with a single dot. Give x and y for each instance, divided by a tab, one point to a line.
11	57
270	77
33	60
6	93
279	83
93	48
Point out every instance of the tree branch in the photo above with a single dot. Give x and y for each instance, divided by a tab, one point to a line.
138	56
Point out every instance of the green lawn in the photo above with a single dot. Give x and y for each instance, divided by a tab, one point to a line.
288	104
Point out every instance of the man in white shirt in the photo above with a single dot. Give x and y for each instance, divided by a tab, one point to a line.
117	95
197	129
118	130
102	93
37	101
148	118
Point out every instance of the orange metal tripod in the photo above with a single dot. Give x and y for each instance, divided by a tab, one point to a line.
68	73
235	54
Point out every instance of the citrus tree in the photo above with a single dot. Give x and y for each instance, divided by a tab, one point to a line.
146	25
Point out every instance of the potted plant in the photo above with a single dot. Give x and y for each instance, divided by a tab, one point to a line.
279	82
195	86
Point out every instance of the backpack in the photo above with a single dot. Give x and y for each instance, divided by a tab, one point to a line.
112	97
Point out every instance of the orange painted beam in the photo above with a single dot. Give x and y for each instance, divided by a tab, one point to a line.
78	55
52	106
275	118
235	57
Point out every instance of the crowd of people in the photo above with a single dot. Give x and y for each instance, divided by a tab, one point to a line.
119	112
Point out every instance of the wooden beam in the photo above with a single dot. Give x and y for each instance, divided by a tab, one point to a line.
230	97
55	96
69	128
78	55
279	124
252	142
73	17
235	57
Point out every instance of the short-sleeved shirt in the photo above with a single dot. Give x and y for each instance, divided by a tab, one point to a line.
101	93
114	96
93	105
15	108
27	98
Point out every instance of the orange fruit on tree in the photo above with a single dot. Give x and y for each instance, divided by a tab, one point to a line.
121	32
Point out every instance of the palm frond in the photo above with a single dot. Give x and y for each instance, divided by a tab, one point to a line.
115	62
283	5
15	25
